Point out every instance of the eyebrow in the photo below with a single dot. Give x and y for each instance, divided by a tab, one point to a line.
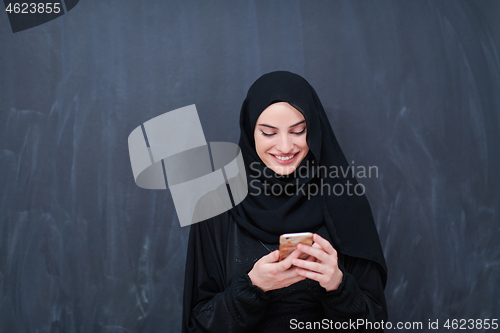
265	125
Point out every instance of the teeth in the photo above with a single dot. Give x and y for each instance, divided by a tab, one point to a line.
284	158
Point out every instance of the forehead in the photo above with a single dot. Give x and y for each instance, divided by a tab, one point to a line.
280	114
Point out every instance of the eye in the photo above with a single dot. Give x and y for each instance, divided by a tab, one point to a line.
301	132
267	134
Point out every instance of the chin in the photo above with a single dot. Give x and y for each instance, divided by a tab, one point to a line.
284	171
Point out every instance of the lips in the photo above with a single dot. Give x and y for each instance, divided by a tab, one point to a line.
285	159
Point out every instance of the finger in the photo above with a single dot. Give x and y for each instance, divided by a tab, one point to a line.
310	274
287	275
320	254
311	259
295	279
283	276
287	263
311	266
289	282
271	257
327	247
316	246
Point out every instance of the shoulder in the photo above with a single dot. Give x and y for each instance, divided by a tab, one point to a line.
214	230
213	205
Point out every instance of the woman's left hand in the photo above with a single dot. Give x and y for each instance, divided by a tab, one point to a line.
324	266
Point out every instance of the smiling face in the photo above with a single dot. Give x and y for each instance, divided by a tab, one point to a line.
280	138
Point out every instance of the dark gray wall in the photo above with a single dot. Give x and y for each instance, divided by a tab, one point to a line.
412	87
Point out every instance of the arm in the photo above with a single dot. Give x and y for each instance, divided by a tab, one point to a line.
210	303
236	309
354	291
359	296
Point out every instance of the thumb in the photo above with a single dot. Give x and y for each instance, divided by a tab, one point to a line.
271	257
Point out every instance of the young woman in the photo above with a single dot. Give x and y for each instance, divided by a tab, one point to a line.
234	281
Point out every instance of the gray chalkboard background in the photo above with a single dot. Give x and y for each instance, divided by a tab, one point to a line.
412	87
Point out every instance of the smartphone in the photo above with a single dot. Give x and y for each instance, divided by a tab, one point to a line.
288	243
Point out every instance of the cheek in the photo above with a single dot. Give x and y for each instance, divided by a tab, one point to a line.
264	148
260	145
302	143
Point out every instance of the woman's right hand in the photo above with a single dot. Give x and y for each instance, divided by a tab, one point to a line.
269	274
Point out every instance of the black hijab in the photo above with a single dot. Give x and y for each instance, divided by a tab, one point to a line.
267	212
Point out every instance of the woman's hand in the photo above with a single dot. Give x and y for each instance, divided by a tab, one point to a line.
268	274
324	267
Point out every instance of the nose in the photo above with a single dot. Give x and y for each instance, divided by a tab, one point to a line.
285	144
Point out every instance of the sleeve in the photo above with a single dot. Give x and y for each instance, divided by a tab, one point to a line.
359	296
210	303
